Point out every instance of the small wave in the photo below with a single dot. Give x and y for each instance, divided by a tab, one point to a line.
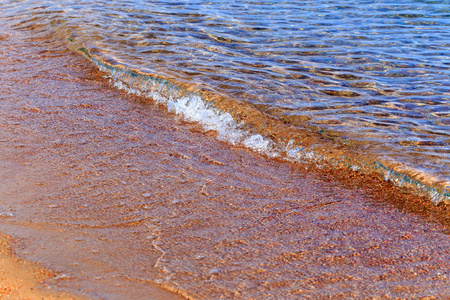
241	124
188	105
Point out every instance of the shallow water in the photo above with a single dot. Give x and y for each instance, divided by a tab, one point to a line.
370	76
123	197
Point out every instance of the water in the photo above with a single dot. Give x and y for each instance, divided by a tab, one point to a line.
354	84
121	195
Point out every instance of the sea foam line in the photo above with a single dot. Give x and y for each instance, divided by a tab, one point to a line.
192	107
188	105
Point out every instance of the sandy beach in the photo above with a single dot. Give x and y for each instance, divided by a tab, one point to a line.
21	279
123	200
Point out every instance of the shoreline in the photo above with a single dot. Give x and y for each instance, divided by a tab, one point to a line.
22	279
128	199
266	135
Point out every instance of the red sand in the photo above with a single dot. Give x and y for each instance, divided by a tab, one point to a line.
128	201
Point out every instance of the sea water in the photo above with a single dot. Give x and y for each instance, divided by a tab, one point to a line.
357	84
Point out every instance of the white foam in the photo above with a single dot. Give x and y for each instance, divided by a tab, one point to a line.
191	107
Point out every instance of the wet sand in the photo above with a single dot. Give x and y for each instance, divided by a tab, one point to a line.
21	279
128	201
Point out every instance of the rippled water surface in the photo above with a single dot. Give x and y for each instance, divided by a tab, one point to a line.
124	197
374	74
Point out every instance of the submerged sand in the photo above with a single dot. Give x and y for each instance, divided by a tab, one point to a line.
21	279
128	201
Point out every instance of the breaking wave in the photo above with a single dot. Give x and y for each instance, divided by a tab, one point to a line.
241	124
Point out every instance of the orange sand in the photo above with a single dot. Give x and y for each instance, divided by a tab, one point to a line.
128	200
20	279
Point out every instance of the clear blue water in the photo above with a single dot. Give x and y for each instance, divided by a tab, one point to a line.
372	76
